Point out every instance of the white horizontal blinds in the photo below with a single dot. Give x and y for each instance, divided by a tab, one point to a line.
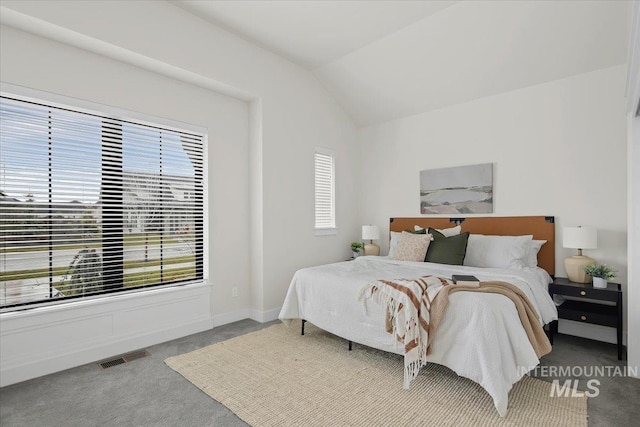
74	192
91	204
324	189
50	181
160	209
24	201
111	197
181	216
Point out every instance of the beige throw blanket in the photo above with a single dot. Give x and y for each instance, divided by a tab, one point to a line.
526	311
415	307
408	303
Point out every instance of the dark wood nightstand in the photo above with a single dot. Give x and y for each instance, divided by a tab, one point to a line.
588	306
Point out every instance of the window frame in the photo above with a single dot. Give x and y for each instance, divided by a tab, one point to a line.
110	113
331	229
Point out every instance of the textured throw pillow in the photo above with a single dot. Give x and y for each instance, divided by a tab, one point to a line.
447	232
412	247
497	251
531	259
447	250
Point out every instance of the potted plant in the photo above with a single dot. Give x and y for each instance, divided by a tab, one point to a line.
600	273
355	248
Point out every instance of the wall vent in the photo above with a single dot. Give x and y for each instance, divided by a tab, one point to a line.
123	359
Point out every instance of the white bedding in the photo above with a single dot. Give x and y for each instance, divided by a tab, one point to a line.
480	336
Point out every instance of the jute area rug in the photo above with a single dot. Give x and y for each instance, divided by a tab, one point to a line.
276	377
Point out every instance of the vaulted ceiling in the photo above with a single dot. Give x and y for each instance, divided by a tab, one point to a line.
383	60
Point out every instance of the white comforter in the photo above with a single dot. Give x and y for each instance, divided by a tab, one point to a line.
480	336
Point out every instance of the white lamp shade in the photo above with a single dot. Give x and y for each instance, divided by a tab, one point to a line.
580	237
370	232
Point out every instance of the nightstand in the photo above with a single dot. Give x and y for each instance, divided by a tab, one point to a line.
588	306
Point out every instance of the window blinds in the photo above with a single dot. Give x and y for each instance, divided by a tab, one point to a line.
324	189
91	204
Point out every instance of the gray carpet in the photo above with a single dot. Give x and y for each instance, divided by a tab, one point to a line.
145	392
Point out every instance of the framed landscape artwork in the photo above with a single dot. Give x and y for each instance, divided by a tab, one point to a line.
457	190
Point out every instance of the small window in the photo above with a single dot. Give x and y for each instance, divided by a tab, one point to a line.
324	161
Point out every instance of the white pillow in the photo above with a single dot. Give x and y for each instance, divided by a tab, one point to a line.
497	251
393	242
412	247
447	232
531	260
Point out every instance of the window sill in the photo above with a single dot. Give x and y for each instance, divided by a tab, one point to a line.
106	301
326	231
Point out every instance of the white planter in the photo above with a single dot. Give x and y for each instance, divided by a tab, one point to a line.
355	254
599	282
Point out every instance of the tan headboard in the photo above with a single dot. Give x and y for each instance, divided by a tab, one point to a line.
541	227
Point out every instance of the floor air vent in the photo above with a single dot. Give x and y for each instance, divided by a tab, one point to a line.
123	359
112	362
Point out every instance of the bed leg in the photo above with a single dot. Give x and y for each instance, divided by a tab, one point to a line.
303	322
350	346
553	330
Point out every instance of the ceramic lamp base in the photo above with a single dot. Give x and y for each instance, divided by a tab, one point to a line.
371	249
574	266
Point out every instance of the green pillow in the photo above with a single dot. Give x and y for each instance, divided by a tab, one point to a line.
447	250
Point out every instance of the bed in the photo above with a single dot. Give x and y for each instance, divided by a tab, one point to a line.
480	336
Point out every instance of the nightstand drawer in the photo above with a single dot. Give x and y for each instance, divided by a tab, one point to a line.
598	314
572	291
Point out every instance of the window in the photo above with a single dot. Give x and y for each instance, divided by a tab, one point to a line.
325	191
91	205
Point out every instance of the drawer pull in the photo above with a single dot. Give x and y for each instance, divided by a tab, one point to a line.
583	317
583	293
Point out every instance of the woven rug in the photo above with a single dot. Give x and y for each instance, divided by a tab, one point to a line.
276	377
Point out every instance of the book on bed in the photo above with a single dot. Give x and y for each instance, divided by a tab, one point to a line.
465	279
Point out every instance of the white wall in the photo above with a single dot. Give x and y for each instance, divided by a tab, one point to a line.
558	148
633	314
30	341
297	114
261	212
633	103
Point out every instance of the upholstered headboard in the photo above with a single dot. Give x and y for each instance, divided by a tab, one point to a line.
541	227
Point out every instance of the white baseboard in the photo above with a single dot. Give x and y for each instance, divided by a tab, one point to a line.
234	316
265	316
52	339
37	368
43	341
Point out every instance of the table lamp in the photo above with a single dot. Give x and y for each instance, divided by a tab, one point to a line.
579	238
371	233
